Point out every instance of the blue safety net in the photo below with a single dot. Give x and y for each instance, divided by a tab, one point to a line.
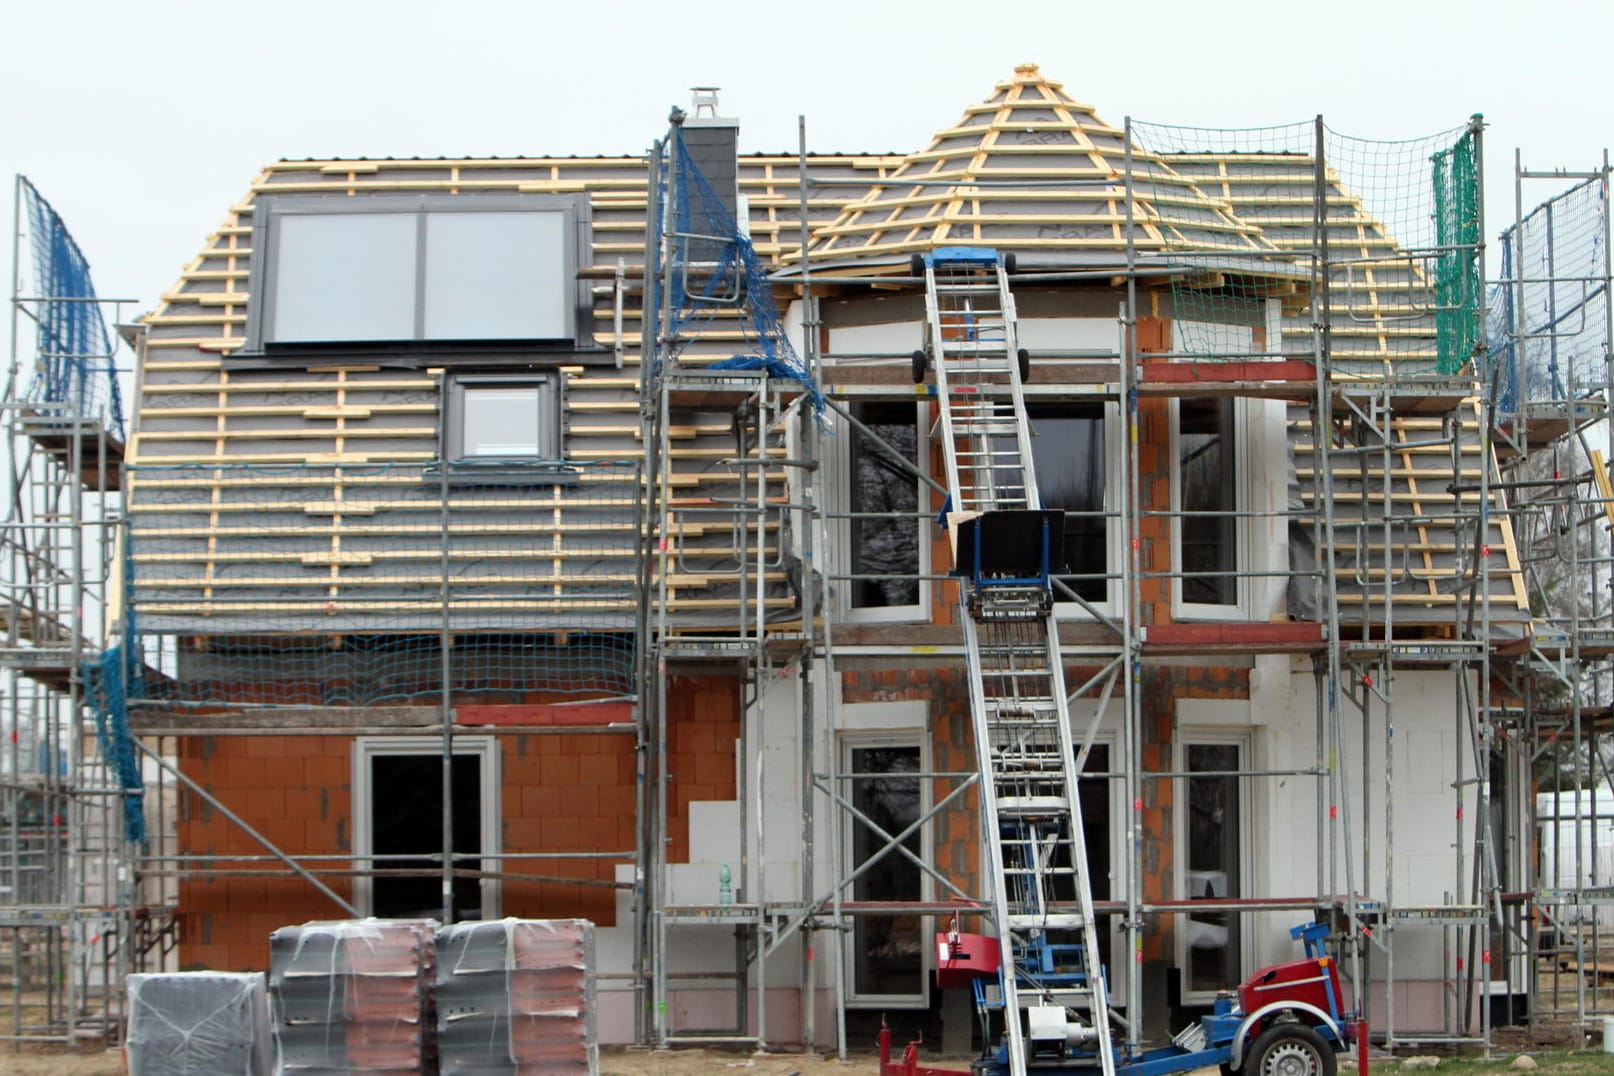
717	279
74	372
107	679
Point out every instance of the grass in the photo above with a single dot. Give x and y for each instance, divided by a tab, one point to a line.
1555	1062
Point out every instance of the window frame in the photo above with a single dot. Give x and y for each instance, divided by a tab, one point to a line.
551	404
849	742
1113	941
1239	437
270	209
1114	546
846	528
1242	950
486	750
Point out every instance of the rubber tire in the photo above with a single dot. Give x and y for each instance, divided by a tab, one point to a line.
1025	365
1010	263
1279	1044
921	362
917	265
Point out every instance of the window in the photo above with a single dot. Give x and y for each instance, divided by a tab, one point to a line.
394	269
1068	451
1214	834
494	416
1207	490
398	814
886	536
886	953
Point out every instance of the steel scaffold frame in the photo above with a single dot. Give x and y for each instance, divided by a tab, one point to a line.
1558	680
68	900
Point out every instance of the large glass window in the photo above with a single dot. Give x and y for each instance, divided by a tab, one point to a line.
1207	490
390	269
884	504
887	951
1067	448
1214	830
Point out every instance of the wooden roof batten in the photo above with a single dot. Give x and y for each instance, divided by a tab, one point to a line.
1034	171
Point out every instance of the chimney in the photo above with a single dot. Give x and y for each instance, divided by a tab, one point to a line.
713	143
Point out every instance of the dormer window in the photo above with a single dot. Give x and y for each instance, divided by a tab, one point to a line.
502	417
410	271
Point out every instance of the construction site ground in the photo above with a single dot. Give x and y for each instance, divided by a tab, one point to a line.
53	1061
1557	1046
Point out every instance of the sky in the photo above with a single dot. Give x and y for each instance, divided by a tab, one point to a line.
142	123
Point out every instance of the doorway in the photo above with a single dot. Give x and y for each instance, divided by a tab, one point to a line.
398	828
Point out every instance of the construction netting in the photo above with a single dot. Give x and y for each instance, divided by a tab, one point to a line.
346	585
715	285
1549	313
74	370
1399	254
107	680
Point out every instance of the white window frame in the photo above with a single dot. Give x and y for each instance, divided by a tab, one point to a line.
1116	954
1114	544
847	742
1239	609
484	748
920	611
1244	741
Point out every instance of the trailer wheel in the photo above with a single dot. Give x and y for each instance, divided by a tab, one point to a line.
1289	1050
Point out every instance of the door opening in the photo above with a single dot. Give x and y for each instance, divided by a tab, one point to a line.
406	819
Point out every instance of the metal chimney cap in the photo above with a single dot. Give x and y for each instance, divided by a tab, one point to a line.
703	109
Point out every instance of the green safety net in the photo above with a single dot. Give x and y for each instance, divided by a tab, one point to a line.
1254	239
1458	287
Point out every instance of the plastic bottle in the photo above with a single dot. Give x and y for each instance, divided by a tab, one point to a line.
725	885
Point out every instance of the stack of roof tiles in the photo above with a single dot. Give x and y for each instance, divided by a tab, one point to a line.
516	996
352	997
197	1023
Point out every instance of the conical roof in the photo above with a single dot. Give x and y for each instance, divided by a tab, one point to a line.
1029	169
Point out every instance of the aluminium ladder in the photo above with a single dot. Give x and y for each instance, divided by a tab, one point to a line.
1031	815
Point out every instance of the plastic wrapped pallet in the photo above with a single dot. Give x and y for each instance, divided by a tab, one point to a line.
352	996
516	997
197	1023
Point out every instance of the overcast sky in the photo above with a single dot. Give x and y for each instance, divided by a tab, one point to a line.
142	122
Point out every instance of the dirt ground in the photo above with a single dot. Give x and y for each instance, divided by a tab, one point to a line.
41	1062
47	1061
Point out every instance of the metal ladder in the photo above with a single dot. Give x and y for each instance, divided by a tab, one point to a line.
1031	814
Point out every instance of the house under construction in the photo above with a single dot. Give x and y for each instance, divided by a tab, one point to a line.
586	537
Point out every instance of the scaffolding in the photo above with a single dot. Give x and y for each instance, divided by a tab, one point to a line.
758	545
1548	407
72	920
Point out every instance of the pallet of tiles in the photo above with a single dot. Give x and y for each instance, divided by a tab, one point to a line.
352	997
516	997
197	1023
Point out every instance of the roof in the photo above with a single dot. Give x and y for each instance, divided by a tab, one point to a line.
1030	169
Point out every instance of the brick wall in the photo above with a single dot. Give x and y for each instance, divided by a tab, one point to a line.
562	792
296	791
703	715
